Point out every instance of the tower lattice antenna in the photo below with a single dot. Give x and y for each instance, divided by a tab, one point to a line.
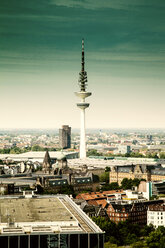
83	74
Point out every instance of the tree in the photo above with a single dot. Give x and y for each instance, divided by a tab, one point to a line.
156	239
36	148
129	183
135	182
15	150
107	169
152	155
110	245
126	183
93	152
126	233
146	230
5	151
162	155
139	244
104	177
111	186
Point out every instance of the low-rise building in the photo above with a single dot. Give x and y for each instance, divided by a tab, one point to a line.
46	221
135	212
149	189
156	215
120	205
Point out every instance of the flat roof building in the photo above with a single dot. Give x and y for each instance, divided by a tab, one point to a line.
38	156
46	221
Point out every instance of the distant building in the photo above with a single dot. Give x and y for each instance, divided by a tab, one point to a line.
65	136
149	137
147	172
123	149
38	157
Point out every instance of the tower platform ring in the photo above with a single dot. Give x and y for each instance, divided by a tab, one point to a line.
82	105
82	94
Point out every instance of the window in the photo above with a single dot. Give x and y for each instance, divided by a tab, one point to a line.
4	242
44	241
83	240
101	243
33	241
94	240
63	241
24	241
73	240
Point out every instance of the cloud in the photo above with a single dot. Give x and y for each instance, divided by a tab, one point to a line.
113	4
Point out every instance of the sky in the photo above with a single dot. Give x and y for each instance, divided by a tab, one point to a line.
40	60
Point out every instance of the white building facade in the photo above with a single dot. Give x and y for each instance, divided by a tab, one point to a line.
156	215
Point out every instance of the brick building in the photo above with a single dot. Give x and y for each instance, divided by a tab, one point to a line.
136	212
120	210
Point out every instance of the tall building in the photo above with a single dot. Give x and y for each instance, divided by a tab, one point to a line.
82	94
65	136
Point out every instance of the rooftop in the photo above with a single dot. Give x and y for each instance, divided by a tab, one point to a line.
38	156
98	195
33	209
40	214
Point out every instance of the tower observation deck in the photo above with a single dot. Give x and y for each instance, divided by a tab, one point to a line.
82	94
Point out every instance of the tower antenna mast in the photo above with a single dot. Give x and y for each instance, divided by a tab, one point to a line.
82	94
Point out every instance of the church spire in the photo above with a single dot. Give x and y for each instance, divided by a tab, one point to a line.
47	162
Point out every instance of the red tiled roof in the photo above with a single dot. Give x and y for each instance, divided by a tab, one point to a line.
97	195
101	203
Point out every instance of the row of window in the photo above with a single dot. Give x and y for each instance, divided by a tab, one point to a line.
112	214
117	219
54	241
156	213
157	218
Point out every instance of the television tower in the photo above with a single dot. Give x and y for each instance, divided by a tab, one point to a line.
82	94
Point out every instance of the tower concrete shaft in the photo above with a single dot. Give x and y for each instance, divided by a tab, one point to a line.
82	94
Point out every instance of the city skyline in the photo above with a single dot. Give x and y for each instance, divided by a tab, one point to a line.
40	55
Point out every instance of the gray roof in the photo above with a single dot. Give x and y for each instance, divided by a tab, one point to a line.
58	182
81	180
154	169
